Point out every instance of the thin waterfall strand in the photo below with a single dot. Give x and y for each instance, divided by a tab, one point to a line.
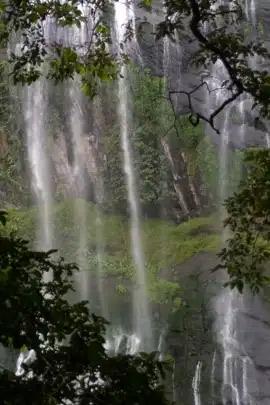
141	310
79	180
35	118
196	383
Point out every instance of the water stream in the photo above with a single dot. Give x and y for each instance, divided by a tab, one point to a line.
196	382
231	367
124	13
35	123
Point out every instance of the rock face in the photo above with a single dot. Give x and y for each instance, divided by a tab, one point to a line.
185	188
254	332
225	337
165	57
243	335
190	337
162	57
65	177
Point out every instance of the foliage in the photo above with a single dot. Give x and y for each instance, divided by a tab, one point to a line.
63	61
191	326
152	116
248	249
13	189
3	215
152	121
114	178
93	61
207	158
189	137
166	292
223	41
187	140
165	244
70	364
210	169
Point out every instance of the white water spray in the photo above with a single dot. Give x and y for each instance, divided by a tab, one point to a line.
213	374
77	37
122	343
230	346
80	214
235	382
35	122
196	382
123	14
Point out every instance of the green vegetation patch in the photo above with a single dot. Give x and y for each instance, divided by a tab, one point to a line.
108	247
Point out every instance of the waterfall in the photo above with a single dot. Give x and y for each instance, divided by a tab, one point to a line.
196	382
225	305
80	215
253	12
165	144
123	14
230	298
121	343
231	301
99	226
230	343
77	37
267	140
173	382
161	341
231	389
213	374
24	359
100	252
238	368
35	117
35	109
83	161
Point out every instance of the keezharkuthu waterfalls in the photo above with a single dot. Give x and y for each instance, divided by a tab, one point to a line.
125	186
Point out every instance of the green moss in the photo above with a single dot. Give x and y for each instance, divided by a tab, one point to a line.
21	222
165	292
165	244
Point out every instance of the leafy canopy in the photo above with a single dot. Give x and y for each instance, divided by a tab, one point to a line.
71	365
248	247
217	30
25	27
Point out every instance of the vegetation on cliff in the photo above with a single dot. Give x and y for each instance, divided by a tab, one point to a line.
68	362
165	244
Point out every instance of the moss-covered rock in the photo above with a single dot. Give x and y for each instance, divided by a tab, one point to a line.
165	244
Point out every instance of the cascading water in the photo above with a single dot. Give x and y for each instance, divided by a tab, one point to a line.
230	361
166	147
224	311
83	162
253	12
77	37
230	298
142	323
123	343
237	366
99	225
231	390
35	123
196	382
35	117
213	373
80	215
